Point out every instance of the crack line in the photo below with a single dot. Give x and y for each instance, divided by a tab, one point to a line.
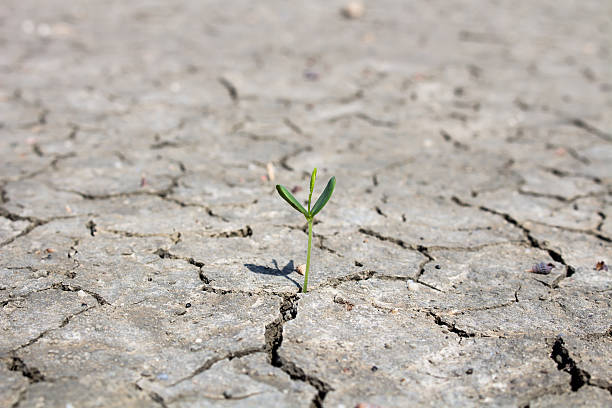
214	360
274	338
64	323
591	129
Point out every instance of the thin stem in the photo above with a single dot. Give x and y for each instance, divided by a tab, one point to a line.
305	288
309	198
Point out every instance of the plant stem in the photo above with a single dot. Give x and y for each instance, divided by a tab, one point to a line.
305	287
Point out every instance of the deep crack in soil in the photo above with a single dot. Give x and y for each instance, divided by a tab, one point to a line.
560	355
274	339
32	373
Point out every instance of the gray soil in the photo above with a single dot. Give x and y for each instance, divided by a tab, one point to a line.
147	261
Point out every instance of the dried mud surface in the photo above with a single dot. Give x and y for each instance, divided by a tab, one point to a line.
146	259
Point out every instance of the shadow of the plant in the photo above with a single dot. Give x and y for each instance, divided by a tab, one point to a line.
276	271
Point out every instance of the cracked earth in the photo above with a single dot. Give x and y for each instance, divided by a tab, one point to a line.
146	259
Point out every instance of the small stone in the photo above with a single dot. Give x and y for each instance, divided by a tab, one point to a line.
601	266
311	75
82	293
413	286
353	10
301	269
232	393
541	268
270	170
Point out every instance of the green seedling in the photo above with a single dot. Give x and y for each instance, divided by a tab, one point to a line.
310	213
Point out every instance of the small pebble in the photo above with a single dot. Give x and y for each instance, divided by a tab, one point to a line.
301	269
232	393
311	75
188	305
469	371
353	10
438	267
601	266
374	369
413	286
270	170
541	268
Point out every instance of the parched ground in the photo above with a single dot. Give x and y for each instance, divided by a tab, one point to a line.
146	259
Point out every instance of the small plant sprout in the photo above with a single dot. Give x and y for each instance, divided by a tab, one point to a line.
310	213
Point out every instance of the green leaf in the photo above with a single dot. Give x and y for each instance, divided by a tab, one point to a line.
283	192
325	196
312	179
